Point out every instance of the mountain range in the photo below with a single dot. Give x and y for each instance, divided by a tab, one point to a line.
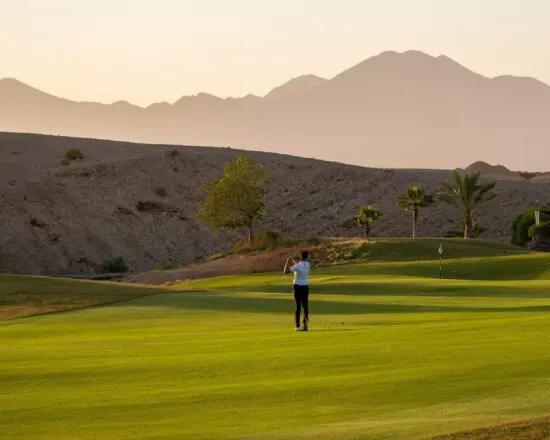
404	110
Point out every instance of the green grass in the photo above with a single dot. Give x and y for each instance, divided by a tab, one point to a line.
399	249
394	353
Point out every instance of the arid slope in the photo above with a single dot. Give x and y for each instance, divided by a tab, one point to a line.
68	218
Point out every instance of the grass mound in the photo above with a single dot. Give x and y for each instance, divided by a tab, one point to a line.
399	250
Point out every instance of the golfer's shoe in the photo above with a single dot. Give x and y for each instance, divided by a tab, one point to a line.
306	325
300	329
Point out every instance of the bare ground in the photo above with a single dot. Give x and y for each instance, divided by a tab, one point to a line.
538	429
231	265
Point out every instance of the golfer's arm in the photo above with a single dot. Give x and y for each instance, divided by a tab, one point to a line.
285	270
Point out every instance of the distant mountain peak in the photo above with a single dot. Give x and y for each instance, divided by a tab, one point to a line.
13	89
295	86
14	84
483	167
123	103
408	65
201	97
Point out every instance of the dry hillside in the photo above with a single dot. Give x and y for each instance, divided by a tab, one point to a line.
68	218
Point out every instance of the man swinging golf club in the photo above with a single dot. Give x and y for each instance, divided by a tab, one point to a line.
301	269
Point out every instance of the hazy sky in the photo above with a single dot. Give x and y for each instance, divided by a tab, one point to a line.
146	51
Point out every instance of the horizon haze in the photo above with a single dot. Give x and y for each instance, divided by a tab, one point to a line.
393	110
152	51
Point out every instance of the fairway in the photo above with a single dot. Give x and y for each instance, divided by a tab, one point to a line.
393	353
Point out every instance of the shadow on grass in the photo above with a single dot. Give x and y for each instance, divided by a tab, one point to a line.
536	267
210	301
411	289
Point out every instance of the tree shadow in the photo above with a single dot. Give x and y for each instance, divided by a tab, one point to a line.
211	301
410	289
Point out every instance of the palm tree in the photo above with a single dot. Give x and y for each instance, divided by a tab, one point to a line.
413	201
467	193
368	214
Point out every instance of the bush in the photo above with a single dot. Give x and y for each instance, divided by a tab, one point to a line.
528	175
160	191
267	240
74	154
173	153
539	232
166	265
521	226
113	265
362	252
313	241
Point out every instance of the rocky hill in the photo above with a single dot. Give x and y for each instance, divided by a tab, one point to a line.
494	171
58	217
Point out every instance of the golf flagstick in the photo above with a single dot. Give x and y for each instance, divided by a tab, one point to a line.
440	251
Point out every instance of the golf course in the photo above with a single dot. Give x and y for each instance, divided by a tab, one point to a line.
393	352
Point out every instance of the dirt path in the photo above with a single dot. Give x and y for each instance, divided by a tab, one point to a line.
231	265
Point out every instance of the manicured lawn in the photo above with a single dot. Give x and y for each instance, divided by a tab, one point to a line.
392	353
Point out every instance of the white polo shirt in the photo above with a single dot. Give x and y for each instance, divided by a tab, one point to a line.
301	273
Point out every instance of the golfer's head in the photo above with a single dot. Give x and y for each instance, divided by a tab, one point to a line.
305	255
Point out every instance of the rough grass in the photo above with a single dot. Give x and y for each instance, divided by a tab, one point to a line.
24	296
393	353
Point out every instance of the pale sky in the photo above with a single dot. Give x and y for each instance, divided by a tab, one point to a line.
146	51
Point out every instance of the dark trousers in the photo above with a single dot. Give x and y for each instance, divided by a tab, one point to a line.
301	294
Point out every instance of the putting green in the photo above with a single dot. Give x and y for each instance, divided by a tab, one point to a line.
392	353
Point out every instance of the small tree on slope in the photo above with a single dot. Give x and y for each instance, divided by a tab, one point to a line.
413	202
466	193
368	214
235	200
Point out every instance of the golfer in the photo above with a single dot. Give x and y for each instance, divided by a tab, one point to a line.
301	269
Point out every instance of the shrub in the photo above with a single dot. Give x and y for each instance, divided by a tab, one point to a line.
270	238
267	240
166	265
361	252
160	191
37	223
113	265
540	231
314	241
521	227
65	162
527	175
74	154
173	153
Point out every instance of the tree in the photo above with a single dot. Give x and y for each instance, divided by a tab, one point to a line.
368	214
466	193
235	200
521	226
476	231
413	201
